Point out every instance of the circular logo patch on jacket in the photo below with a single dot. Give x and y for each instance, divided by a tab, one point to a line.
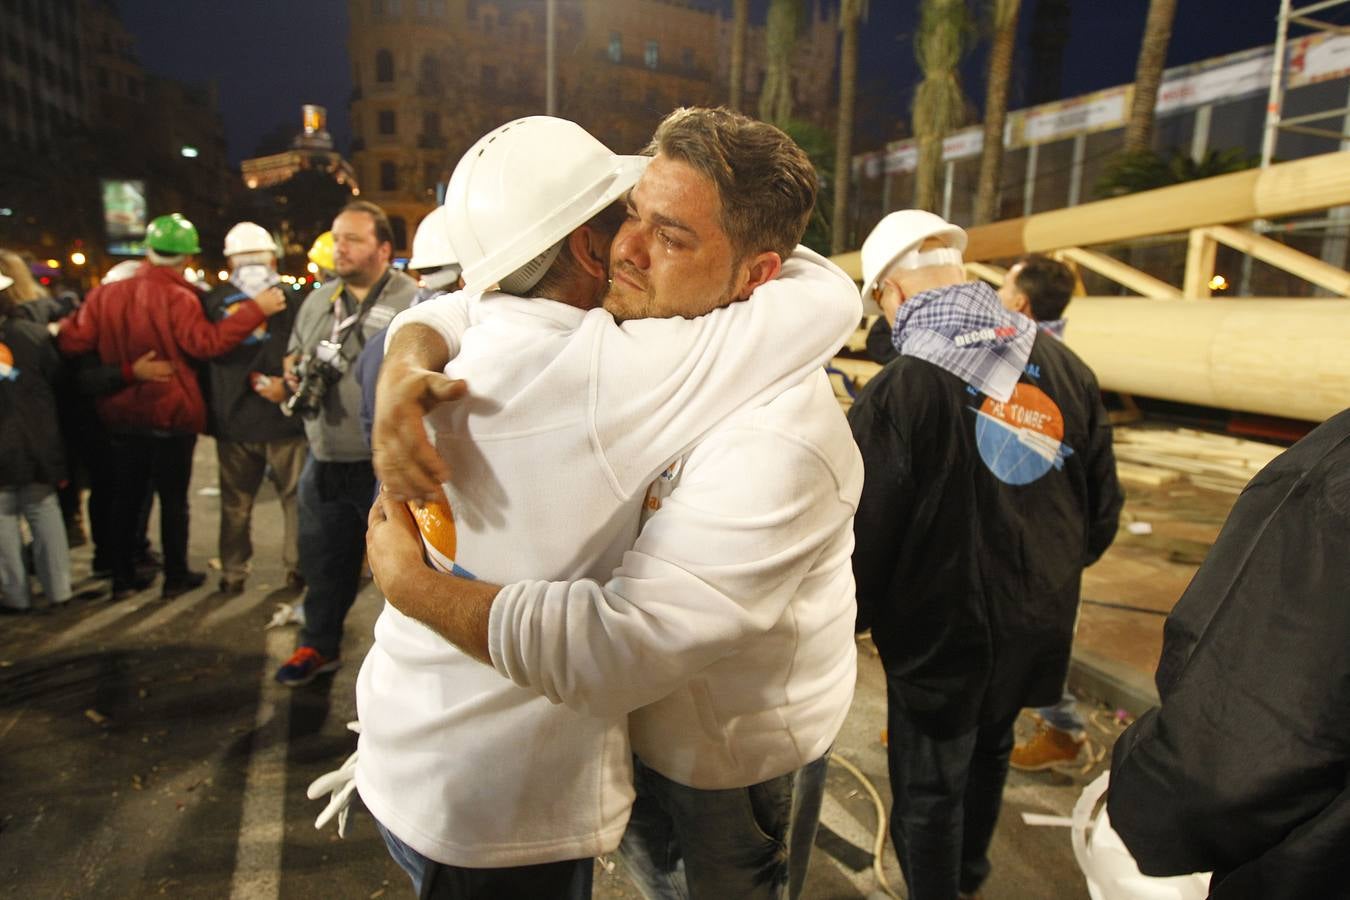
1022	439
7	370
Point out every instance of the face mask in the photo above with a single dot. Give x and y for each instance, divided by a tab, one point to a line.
254	278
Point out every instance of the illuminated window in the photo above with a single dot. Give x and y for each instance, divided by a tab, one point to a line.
615	47
651	55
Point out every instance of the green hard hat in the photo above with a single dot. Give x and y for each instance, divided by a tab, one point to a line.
172	235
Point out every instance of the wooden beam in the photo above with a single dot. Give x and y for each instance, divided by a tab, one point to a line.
1200	253
1141	282
1282	256
995	275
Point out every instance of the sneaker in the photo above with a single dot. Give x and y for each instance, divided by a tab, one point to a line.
181	584
231	585
305	663
1047	748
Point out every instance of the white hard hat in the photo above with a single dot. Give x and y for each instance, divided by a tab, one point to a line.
125	269
5	281
521	189
431	247
896	235
248	237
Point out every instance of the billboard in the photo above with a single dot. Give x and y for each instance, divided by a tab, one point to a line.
124	208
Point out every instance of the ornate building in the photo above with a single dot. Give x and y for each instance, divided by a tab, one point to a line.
431	76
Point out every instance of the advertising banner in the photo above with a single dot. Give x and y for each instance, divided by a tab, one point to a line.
124	208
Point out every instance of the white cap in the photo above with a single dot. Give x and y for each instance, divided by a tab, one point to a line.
899	233
521	189
248	237
431	247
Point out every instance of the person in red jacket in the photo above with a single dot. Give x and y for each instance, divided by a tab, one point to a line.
154	424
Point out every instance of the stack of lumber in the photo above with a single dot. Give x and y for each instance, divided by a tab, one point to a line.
1160	456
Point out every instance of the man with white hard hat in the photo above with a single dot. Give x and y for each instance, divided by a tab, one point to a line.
990	484
551	461
154	424
244	390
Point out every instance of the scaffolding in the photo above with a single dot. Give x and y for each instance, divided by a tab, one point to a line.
1279	76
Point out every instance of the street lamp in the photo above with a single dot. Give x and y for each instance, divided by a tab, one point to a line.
78	258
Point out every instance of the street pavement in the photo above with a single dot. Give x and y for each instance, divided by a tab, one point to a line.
147	752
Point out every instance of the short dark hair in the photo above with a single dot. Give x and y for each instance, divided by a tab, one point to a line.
766	183
384	232
1048	284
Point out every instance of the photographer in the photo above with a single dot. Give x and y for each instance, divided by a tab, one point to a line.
337	483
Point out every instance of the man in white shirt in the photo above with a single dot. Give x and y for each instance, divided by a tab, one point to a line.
481	784
725	635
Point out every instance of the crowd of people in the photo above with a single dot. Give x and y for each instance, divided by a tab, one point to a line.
626	536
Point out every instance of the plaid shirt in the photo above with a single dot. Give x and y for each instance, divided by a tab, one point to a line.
967	331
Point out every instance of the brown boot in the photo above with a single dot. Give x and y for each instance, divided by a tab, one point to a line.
1048	747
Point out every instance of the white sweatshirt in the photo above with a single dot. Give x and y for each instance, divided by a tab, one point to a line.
568	419
727	633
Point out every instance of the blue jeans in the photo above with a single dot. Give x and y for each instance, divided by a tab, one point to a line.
751	842
1064	715
334	500
51	555
947	793
566	880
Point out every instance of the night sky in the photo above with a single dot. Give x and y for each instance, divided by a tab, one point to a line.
270	56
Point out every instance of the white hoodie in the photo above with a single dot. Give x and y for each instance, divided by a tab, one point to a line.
569	417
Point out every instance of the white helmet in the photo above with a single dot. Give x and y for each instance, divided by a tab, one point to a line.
431	247
123	270
899	233
247	237
521	189
5	281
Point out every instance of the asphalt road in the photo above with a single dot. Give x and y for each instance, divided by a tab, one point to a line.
146	751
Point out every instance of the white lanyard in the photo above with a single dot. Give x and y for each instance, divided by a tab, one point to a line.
340	325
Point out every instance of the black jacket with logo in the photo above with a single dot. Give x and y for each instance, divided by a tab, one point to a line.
31	449
1245	769
976	521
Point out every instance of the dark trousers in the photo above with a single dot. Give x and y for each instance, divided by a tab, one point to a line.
947	793
566	880
142	462
751	843
335	500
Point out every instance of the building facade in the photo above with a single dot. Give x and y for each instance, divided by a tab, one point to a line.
432	76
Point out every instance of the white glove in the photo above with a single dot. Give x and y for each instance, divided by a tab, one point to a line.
287	614
340	784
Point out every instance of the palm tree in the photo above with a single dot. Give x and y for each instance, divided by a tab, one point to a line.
740	22
1004	19
780	36
938	101
850	11
1148	74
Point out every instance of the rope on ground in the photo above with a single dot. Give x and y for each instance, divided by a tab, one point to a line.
879	845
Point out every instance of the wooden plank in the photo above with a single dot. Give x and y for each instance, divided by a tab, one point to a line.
1200	254
1282	256
1141	282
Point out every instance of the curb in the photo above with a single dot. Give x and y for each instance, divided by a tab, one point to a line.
1115	684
